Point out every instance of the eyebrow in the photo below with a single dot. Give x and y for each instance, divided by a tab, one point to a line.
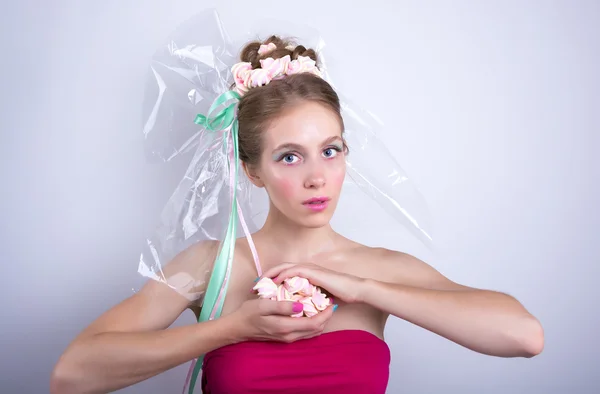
293	146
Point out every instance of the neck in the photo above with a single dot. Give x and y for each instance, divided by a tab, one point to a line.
293	242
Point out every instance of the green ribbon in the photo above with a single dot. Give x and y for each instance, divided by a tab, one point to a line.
222	120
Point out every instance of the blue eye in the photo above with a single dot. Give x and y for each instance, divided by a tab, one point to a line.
289	158
330	152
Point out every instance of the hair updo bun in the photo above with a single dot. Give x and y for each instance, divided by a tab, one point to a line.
260	105
251	54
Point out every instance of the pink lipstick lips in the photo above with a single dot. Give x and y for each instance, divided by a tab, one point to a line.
317	204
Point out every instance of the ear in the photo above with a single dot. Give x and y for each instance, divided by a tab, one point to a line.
253	175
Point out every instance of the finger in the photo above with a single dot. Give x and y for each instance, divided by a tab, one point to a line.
309	324
322	317
308	335
296	336
275	271
298	270
283	308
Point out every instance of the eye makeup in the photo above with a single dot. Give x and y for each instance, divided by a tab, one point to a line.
337	147
281	155
278	156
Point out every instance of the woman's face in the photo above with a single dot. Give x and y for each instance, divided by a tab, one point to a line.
302	166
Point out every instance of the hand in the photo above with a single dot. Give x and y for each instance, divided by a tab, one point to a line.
268	320
342	286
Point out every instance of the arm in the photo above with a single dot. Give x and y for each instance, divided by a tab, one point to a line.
109	361
132	342
485	321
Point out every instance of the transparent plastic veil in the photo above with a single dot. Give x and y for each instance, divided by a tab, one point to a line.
214	201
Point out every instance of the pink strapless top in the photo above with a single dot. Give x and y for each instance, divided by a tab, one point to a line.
348	361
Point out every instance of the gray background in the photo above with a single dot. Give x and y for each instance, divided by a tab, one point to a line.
490	106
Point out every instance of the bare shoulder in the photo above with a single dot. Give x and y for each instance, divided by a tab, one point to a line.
199	250
186	275
163	298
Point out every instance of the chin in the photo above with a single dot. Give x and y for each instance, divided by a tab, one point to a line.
308	219
315	222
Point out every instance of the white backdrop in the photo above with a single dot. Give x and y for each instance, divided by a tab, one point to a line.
491	107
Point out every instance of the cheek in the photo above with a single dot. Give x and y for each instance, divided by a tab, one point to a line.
337	177
283	187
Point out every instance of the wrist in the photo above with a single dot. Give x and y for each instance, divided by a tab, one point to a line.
363	288
232	329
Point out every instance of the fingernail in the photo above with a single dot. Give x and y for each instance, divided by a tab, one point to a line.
335	307
257	279
298	307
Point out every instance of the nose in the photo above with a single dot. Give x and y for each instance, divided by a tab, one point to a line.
315	179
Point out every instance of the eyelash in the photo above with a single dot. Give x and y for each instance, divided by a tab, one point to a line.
335	148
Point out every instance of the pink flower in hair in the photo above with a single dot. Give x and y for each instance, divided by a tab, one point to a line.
302	65
277	68
294	67
246	78
260	77
266	48
241	72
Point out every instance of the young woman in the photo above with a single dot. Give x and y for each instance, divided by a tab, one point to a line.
291	143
